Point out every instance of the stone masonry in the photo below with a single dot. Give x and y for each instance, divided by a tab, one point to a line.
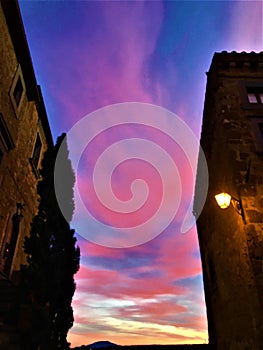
231	240
24	137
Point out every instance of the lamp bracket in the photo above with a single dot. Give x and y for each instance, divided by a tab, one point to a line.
237	204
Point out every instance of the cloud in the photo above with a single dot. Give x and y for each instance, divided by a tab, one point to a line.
156	283
116	284
106	65
126	320
91	54
246	26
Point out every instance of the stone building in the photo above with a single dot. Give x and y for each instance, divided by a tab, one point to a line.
24	137
231	239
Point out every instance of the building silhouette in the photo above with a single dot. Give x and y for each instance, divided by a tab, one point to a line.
231	239
24	137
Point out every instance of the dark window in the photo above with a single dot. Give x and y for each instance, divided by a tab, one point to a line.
255	95
18	91
37	151
5	135
6	141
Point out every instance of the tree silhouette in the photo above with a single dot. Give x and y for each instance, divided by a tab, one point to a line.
53	257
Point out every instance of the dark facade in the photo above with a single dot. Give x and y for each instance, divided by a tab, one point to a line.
231	240
24	137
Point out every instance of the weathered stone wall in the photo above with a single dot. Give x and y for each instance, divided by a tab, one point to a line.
231	246
17	179
22	118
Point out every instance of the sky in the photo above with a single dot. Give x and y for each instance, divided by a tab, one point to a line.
126	80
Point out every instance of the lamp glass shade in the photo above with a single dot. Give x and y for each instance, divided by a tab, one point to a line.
223	200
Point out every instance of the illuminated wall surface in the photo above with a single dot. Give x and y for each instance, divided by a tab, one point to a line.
24	137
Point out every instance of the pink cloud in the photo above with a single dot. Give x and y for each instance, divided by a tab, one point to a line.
109	61
246	26
152	311
175	259
109	66
114	284
178	255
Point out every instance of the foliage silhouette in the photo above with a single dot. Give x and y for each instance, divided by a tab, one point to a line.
53	257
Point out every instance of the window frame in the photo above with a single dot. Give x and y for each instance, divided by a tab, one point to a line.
252	87
257	93
32	161
5	135
6	141
17	77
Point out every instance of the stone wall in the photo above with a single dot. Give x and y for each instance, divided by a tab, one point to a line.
231	239
22	118
18	180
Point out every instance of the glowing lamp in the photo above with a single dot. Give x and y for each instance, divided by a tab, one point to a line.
223	200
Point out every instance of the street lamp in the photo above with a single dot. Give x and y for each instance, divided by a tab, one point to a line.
224	199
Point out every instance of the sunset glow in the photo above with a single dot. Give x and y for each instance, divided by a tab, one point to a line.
92	54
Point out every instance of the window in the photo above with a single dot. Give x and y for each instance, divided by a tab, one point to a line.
36	154
257	128
6	141
255	95
5	136
17	91
251	94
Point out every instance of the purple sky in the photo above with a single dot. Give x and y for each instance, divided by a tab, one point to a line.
92	54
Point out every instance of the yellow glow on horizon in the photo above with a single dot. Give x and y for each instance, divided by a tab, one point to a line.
128	333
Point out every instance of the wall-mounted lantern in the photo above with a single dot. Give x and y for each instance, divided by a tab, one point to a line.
224	200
